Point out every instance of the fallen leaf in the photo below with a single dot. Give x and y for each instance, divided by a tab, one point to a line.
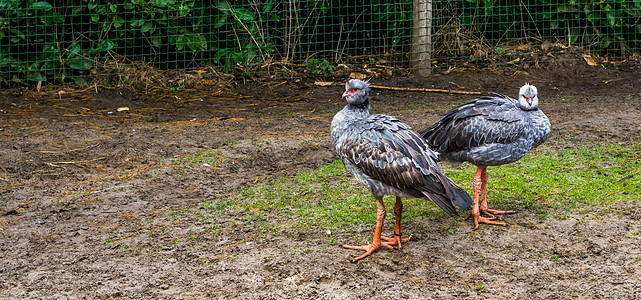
357	76
478	52
589	60
546	45
387	73
523	47
124	108
323	83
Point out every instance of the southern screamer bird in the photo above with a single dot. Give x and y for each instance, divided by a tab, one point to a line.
389	158
490	131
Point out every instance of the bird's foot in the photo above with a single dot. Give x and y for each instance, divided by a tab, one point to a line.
470	214
479	219
492	212
396	240
369	248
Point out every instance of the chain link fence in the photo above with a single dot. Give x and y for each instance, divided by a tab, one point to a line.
87	40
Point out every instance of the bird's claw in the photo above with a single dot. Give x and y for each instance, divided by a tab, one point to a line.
396	240
485	220
492	212
470	214
369	248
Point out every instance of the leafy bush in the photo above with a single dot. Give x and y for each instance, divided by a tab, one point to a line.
55	40
607	26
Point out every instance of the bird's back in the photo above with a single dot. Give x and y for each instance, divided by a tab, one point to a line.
486	131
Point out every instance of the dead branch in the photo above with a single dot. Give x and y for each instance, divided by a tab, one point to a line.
406	89
409	89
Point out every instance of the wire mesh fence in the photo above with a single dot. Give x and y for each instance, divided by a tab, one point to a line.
84	40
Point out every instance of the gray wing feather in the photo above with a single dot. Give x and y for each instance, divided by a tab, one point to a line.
389	151
480	121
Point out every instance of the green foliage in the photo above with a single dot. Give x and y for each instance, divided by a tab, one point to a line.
610	26
320	68
62	40
40	41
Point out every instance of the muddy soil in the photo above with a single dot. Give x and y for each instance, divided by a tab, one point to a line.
93	205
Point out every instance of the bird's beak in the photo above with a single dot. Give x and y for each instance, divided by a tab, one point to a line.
347	93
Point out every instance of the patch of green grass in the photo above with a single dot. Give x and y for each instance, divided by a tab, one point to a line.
328	199
582	180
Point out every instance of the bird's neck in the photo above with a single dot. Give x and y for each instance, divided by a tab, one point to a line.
362	107
541	125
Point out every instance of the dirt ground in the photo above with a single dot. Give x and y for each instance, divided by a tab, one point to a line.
92	207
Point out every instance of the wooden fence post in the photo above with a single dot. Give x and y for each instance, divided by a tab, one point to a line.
420	50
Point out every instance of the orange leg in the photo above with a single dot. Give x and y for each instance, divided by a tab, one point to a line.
483	208
376	241
397	239
479	190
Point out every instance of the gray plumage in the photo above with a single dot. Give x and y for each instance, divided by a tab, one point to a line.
490	130
387	156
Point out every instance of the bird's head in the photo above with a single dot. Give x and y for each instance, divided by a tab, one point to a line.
356	91
528	97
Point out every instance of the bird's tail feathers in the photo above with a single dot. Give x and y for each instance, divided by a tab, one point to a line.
460	197
443	202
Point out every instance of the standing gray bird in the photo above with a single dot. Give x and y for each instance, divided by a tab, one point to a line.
490	131
389	158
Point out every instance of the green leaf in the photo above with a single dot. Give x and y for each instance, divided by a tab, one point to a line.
146	26
17	35
80	63
183	10
137	21
181	41
605	42
42	5
105	45
36	76
223	5
95	18
74	48
118	21
269	4
220	21
274	17
161	3
195	42
611	19
156	41
244	14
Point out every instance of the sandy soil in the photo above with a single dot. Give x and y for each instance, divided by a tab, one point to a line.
92	207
